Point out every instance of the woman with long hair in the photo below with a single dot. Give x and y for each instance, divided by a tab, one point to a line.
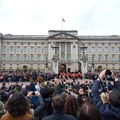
17	108
71	106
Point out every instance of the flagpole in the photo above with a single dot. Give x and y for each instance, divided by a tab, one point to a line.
62	23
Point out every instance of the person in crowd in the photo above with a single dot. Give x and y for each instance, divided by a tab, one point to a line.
45	100
38	111
81	96
34	118
104	97
17	108
58	106
89	112
64	95
111	110
1	108
71	106
4	97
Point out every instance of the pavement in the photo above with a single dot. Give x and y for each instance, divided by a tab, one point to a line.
27	83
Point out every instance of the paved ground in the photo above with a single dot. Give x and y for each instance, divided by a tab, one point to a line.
27	83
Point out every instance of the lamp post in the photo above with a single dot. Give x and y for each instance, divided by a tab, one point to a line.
55	47
93	65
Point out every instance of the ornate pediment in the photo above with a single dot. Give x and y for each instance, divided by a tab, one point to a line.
63	35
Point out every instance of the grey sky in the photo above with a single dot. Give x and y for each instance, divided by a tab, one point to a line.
36	17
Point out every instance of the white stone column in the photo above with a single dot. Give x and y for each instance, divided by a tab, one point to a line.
76	51
65	51
83	67
55	63
49	52
71	51
60	51
55	67
52	50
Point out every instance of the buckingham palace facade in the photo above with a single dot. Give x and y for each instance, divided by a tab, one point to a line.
34	51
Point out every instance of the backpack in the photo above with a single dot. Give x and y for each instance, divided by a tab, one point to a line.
34	102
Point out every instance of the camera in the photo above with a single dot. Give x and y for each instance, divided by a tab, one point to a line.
108	75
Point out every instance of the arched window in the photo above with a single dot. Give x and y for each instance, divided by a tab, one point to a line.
106	58
113	58
25	57
32	57
4	57
99	57
38	57
18	57
32	48
68	57
119	58
11	57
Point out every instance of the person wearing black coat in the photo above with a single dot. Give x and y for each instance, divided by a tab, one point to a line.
111	110
58	106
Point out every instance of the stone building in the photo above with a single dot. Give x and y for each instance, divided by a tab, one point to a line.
35	51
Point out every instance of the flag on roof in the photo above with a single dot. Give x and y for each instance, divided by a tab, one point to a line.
63	20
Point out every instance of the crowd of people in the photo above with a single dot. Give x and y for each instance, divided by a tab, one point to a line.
22	76
58	98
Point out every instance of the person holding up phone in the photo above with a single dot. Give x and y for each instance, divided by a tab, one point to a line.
110	110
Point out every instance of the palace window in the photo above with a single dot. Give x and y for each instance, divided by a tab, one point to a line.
63	49
32	57
11	57
106	58
4	49
68	47
18	57
99	49
45	57
11	48
99	57
38	48
119	58
32	48
113	50
119	49
38	57
62	57
25	49
45	49
106	49
92	49
25	57
80	49
18	48
68	57
113	58
4	57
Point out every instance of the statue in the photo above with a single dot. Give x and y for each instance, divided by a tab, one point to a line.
83	61
55	59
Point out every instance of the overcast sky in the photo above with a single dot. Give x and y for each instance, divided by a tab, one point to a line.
37	17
